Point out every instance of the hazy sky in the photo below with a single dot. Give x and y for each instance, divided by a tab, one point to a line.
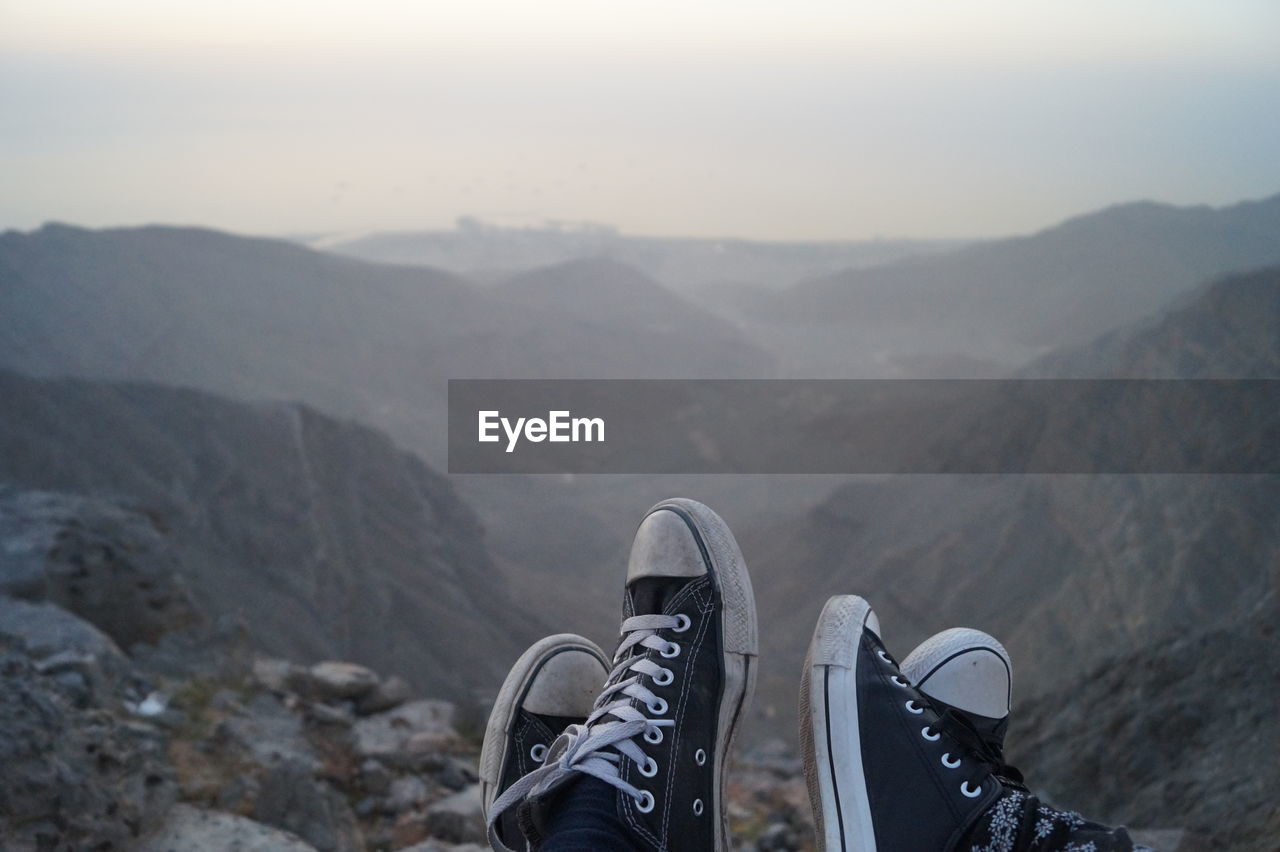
804	119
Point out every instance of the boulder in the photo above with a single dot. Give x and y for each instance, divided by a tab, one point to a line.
108	564
191	829
333	680
407	793
62	645
388	736
291	799
273	674
387	695
268	734
374	777
458	818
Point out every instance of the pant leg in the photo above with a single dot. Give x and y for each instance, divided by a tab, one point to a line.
585	819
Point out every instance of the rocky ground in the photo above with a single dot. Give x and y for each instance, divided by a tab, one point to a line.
131	721
105	750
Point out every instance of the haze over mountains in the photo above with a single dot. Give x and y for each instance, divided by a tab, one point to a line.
338	541
488	252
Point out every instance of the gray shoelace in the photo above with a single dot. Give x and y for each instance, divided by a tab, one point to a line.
599	746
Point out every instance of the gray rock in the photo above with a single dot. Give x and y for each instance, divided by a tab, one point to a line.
273	674
340	714
60	642
290	798
239	794
374	777
47	630
407	793
191	829
387	695
108	564
456	773
77	776
458	818
440	846
333	680
268	734
387	736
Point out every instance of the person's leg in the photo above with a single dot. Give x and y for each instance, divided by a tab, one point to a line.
647	768
585	819
892	766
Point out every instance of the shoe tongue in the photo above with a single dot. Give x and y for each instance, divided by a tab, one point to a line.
992	730
557	724
650	595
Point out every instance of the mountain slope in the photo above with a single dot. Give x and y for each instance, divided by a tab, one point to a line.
610	313
1226	328
1008	299
1206	699
1067	570
327	539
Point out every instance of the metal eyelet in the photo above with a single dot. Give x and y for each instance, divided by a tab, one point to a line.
649	768
645	803
664	677
913	708
659	707
899	681
924	732
656	738
682	623
949	764
964	789
671	651
697	807
700	757
538	752
884	656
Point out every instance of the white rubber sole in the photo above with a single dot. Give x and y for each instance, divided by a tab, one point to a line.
503	715
830	734
739	639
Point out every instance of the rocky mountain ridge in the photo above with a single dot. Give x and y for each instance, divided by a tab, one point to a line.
324	536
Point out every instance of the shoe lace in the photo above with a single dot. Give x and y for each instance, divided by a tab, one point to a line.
599	746
987	751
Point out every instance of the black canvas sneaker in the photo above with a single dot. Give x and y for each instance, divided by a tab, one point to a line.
684	670
553	685
890	769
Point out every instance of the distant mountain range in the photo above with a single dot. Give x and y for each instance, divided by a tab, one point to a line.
265	319
488	253
990	307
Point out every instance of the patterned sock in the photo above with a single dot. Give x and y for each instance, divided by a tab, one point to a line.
1019	822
